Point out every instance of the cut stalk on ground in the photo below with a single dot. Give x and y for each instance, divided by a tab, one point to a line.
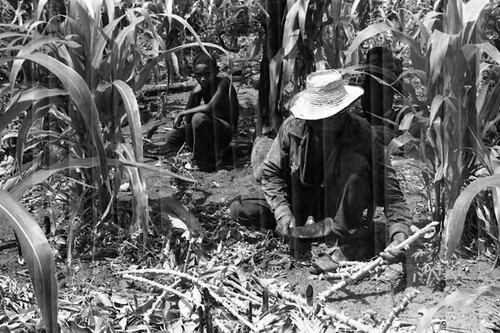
375	263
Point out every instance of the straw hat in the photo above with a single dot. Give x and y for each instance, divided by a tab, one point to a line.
325	95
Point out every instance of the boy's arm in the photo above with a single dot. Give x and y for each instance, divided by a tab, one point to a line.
193	101
194	98
220	98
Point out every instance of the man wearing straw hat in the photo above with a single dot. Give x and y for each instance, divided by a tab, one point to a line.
326	163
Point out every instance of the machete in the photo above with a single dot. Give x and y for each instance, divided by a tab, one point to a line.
314	230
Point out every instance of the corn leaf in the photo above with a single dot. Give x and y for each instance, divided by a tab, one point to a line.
488	48
140	195
275	66
110	9
495	168
81	97
290	33
101	42
453	22
302	14
12	113
143	76
37	254
17	189
473	8
463	297
438	44
22	137
39	9
455	219
132	109
30	48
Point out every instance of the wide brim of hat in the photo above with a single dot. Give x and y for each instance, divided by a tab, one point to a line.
303	109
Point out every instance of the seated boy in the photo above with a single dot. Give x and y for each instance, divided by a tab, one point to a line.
207	128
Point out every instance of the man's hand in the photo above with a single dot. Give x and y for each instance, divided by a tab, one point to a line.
390	254
285	222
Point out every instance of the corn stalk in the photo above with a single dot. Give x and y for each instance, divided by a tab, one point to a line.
446	55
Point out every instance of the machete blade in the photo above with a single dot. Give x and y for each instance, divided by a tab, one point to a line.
315	230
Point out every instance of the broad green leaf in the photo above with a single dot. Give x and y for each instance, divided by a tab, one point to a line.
28	49
369	32
12	113
140	196
36	93
406	121
336	9
109	6
93	7
462	298
455	219
187	26
22	136
303	7
74	225
488	115
274	77
417	58
438	45
101	42
141	79
37	255
254	48
453	22
436	103
473	8
132	109
495	167
39	9
488	48
399	142
290	33
81	97
373	30
39	176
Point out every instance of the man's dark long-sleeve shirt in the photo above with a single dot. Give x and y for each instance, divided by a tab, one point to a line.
288	155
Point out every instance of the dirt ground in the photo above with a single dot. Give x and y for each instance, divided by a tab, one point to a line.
371	300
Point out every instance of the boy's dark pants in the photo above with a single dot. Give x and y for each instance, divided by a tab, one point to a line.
205	135
352	182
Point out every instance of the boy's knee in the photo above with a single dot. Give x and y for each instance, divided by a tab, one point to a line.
200	119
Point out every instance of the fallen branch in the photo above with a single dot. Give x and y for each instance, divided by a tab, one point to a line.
159	300
235	285
351	322
199	282
159	285
229	307
275	291
397	310
375	263
171	88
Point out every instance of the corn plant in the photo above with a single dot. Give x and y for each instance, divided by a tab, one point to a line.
80	77
313	37
448	56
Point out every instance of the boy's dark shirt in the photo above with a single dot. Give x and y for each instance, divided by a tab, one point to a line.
226	111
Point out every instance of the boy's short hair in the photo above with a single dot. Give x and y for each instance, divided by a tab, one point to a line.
203	58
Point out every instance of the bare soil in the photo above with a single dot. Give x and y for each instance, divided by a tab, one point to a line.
370	300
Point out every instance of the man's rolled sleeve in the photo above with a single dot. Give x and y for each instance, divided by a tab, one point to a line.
274	178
